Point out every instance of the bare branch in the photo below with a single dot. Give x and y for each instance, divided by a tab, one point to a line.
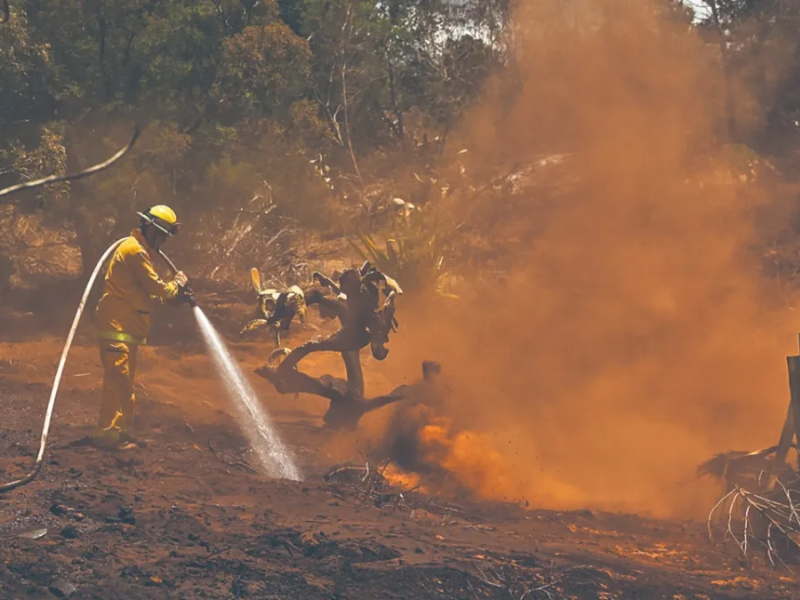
80	175
771	512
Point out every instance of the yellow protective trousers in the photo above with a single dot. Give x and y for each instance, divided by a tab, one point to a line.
118	411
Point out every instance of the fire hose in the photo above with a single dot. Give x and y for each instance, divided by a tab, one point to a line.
51	404
59	372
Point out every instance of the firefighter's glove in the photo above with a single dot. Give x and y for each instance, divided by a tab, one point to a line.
180	279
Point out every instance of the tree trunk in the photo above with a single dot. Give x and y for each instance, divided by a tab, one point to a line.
730	105
398	112
345	106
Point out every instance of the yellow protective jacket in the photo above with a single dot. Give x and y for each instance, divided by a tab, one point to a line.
132	289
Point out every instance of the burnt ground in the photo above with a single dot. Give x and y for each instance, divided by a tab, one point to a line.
176	519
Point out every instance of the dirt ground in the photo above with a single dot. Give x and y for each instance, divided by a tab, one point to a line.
184	517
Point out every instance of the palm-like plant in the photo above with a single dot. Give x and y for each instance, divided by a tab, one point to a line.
413	256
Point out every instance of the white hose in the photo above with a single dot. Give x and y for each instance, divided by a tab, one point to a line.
45	430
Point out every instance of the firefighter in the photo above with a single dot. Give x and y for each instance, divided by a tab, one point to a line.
132	289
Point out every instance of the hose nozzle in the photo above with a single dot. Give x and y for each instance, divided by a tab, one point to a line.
186	294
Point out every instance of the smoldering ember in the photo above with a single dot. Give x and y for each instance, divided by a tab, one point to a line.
488	299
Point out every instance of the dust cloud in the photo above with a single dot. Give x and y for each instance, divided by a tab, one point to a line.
637	336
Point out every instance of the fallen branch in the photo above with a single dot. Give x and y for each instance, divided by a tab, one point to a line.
338	470
218	552
499	582
541	588
367	484
479	527
232	463
72	177
493	579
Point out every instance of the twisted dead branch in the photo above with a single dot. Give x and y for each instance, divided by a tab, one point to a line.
73	176
364	321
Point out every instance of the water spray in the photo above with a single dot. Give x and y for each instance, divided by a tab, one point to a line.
275	458
51	404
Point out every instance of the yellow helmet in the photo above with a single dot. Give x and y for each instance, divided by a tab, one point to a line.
163	217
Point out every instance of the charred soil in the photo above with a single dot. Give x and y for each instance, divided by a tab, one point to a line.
185	515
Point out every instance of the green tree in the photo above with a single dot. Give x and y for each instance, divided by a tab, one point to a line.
237	99
760	56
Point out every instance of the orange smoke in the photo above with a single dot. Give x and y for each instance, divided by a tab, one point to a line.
635	335
473	461
452	460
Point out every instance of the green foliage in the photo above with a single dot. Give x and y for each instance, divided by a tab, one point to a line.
235	98
414	256
265	67
28	78
759	51
49	157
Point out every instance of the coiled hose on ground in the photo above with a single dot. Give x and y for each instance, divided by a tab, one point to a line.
49	414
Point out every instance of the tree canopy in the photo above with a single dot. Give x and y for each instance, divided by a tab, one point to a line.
240	102
260	113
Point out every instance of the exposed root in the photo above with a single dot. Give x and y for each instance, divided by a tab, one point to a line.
764	514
